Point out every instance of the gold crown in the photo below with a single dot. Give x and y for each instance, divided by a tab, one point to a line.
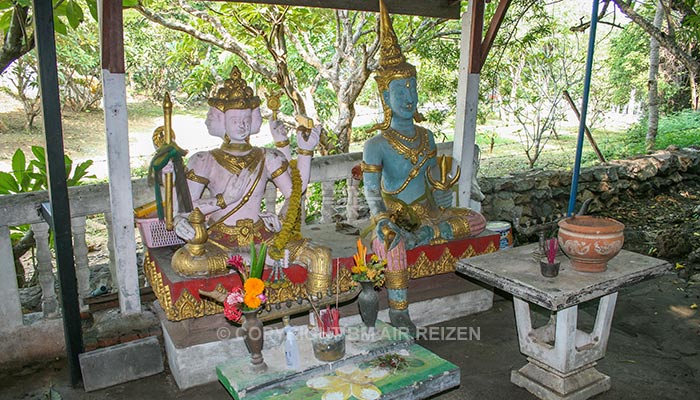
392	63
235	94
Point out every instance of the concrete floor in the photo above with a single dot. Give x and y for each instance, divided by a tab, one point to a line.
654	353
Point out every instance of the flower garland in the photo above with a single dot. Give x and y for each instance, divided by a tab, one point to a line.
291	228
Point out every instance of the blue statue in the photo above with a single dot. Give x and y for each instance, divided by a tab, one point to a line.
407	187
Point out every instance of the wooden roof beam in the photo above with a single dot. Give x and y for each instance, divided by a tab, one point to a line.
428	8
494	26
480	48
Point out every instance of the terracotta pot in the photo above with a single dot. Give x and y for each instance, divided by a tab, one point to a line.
590	242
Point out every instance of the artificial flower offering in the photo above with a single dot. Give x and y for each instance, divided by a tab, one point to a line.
254	286
252	295
372	271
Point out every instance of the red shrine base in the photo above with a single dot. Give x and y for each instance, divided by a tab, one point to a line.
179	296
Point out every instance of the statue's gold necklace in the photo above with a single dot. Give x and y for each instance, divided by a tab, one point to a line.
396	140
234	163
245	146
411	154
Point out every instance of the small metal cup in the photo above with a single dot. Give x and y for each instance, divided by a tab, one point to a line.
549	270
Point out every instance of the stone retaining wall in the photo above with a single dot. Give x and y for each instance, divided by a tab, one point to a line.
541	193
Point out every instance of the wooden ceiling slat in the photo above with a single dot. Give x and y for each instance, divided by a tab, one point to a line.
427	8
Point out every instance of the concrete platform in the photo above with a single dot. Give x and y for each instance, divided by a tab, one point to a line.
193	347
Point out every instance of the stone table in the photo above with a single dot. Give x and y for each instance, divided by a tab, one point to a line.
561	358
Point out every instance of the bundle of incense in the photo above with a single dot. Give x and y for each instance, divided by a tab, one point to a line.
330	322
551	247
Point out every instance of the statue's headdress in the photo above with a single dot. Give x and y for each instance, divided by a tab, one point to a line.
392	64
235	94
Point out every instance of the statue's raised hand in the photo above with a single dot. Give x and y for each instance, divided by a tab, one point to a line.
278	130
272	221
443	198
309	142
236	186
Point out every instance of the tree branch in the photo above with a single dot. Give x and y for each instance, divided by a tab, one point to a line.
665	40
584	25
206	17
228	45
16	42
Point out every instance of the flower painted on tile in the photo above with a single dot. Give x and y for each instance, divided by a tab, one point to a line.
349	382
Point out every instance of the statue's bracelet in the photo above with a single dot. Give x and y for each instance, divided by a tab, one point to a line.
220	202
304	152
382	215
282	144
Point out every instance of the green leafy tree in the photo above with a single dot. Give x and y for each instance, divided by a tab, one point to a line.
79	72
534	59
628	63
16	25
24	88
680	35
320	58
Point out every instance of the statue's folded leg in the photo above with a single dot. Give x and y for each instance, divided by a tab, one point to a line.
462	223
317	260
396	275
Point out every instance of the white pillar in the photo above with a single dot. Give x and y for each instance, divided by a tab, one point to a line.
328	201
80	252
44	268
10	307
351	205
120	200
271	198
112	253
117	132
465	120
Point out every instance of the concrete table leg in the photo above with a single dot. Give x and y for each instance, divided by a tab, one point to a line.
562	357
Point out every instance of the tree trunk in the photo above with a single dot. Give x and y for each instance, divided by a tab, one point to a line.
346	114
513	95
653	127
694	95
632	100
16	43
18	249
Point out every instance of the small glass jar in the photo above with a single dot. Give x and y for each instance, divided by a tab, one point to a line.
328	347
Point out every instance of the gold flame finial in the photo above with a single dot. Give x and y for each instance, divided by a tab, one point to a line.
234	94
392	63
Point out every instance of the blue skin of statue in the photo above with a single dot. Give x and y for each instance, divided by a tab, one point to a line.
402	98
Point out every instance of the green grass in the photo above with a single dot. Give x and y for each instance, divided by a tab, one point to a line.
680	129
